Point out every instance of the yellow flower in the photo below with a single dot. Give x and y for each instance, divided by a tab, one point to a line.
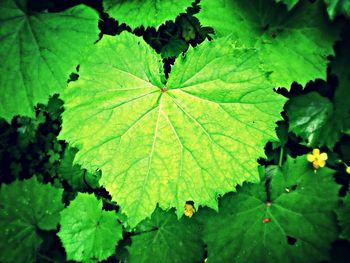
189	210
348	170
317	158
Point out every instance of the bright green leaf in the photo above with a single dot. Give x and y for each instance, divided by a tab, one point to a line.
191	139
25	207
147	13
343	214
338	7
88	233
164	238
312	117
248	229
294	45
38	52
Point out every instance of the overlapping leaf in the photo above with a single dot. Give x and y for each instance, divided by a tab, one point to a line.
296	225
312	117
342	95
319	121
88	233
338	7
175	46
25	207
38	52
190	139
289	3
294	45
147	13
163	238
76	177
343	214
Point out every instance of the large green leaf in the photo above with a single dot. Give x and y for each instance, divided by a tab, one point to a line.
338	7
294	45
147	13
88	233
296	225
38	52
190	139
163	238
25	207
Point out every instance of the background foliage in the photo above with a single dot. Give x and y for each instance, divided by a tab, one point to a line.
60	199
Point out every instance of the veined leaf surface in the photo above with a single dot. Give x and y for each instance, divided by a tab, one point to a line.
197	136
147	13
297	223
38	52
88	233
164	238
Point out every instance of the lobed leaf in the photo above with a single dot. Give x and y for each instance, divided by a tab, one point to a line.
197	136
88	233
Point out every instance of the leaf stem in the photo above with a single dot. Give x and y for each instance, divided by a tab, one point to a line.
85	181
160	38
281	157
